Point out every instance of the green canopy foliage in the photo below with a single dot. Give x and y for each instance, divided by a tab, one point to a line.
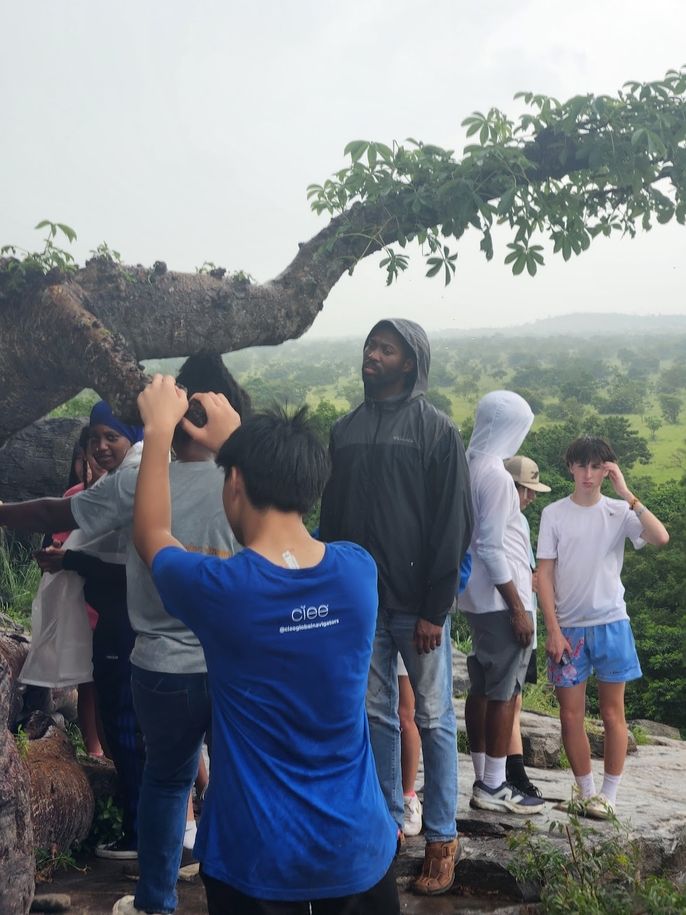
565	172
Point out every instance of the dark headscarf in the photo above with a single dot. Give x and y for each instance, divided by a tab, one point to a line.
101	415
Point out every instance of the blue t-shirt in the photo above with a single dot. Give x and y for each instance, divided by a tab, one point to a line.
294	809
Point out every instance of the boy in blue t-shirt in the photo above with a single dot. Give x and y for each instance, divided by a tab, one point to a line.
287	629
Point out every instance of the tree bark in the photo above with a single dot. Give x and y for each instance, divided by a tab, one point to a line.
35	462
59	334
17	861
62	802
13	651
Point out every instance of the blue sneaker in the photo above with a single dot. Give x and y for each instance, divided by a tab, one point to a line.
506	799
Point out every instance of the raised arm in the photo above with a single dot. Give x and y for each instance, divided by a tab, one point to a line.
161	406
654	531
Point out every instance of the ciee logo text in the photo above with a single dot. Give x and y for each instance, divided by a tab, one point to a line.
300	614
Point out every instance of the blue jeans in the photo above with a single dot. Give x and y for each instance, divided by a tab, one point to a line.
431	676
174	713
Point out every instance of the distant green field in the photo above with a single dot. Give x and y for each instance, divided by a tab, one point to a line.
465	370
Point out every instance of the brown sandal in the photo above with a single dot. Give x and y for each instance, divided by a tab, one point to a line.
438	870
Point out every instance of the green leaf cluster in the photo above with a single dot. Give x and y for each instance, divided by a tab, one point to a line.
590	874
563	172
21	739
106	826
21	267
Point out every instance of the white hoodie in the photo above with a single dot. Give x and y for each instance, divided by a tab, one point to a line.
499	547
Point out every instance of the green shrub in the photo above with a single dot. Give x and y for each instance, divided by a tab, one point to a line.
462	742
106	826
641	736
594	875
460	633
540	697
19	578
49	861
21	738
76	739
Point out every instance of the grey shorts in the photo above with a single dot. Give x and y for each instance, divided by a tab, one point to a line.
497	664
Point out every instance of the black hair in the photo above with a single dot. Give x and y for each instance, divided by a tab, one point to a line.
587	449
203	372
79	453
206	371
283	463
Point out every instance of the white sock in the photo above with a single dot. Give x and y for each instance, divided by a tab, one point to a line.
610	785
586	784
478	761
190	834
494	771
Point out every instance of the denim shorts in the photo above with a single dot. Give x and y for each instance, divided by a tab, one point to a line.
607	649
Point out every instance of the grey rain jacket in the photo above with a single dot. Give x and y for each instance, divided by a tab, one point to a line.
399	487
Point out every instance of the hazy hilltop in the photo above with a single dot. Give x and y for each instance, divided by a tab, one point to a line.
580	324
344	351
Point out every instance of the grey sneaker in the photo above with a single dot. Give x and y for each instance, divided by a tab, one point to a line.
506	798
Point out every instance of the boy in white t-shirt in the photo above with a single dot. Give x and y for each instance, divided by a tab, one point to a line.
580	556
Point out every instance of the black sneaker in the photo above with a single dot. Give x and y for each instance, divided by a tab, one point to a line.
530	790
124	849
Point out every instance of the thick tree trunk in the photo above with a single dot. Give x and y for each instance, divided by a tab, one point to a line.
17	861
46	795
62	802
35	462
13	651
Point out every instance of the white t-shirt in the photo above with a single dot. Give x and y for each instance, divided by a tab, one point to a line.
587	543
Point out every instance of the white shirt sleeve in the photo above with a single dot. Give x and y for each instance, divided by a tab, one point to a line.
489	546
547	537
106	506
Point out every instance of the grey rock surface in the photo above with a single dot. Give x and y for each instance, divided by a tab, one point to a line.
460	674
651	807
655	728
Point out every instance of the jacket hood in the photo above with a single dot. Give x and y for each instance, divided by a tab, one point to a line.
416	339
503	419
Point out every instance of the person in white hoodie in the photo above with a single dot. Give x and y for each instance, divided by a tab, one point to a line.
497	601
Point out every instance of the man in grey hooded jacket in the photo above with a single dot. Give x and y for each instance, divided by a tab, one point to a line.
497	600
399	487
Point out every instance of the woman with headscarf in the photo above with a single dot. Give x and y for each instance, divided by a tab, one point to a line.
112	444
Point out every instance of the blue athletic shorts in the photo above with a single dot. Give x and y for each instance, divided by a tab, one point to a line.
608	649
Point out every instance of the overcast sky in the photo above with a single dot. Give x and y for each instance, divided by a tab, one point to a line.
189	133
